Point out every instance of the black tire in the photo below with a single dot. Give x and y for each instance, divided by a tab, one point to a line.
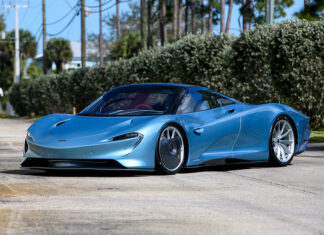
169	149
273	157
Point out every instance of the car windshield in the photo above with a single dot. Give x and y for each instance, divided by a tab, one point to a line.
133	101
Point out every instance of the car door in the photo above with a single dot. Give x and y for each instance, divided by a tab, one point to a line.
212	127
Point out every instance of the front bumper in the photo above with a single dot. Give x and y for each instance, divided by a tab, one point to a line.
126	154
76	164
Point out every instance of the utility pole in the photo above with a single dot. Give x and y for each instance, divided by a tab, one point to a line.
100	34
10	110
44	37
83	41
270	10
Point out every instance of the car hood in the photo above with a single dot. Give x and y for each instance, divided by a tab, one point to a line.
82	130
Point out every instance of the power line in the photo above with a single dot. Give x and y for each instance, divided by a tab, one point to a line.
66	26
39	37
39	28
107	7
63	16
103	4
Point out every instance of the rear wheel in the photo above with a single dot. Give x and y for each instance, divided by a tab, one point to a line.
282	141
170	150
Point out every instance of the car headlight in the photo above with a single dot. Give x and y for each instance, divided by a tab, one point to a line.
127	136
29	136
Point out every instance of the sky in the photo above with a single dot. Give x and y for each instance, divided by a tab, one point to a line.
31	18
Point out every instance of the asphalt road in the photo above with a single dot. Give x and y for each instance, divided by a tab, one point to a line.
229	200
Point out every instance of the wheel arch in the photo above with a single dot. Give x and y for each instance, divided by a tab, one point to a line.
183	132
291	120
293	127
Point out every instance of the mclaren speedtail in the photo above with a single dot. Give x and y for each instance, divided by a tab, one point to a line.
163	128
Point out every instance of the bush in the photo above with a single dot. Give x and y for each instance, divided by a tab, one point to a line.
297	67
273	63
251	67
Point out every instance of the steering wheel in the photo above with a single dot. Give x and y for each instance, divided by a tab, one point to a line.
143	105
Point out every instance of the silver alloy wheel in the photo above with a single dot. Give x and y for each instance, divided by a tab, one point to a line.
283	141
171	148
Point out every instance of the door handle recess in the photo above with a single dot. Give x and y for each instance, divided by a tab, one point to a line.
230	111
198	131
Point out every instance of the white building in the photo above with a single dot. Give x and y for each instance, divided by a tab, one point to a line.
75	63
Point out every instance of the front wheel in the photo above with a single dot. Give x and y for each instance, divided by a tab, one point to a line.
282	142
170	150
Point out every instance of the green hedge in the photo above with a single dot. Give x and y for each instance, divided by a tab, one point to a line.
273	63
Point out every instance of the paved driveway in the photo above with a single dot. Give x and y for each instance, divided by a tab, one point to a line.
251	199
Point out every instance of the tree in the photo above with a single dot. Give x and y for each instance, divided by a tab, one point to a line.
210	17
129	20
59	51
229	15
222	10
2	23
312	12
127	46
150	4
143	23
203	12
93	48
117	19
180	18
193	17
175	18
34	70
162	20
255	11
187	4
7	53
28	46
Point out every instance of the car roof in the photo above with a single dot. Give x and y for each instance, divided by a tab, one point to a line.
184	86
163	84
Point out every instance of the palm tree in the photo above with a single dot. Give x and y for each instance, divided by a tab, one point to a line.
58	51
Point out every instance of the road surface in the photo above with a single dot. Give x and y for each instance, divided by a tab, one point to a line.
229	200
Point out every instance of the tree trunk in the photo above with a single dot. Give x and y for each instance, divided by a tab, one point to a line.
44	38
117	19
59	66
210	17
193	16
100	36
175	19
143	24
245	23
186	16
222	10
149	24
180	19
203	27
229	15
163	29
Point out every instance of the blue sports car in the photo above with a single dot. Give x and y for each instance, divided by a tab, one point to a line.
165	127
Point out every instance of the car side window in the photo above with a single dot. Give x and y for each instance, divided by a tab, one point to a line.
205	100
223	101
200	100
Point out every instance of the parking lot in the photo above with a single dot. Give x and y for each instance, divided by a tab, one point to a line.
233	199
